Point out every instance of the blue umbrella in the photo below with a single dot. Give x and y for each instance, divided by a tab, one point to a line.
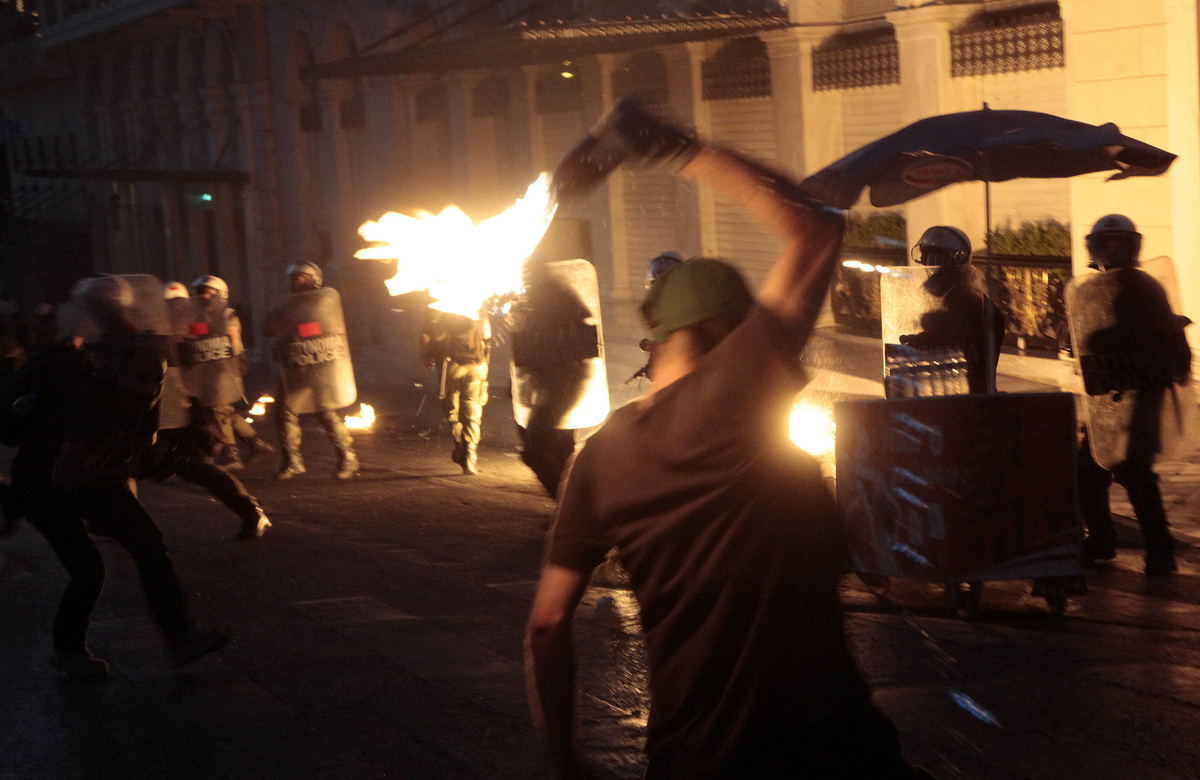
983	146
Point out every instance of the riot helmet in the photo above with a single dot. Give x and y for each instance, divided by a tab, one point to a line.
214	283
174	290
104	301
942	245
660	265
1113	243
304	275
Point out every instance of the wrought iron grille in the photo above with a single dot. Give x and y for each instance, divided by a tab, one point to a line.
859	60
741	69
1010	42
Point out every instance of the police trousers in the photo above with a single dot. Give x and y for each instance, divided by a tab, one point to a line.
289	430
466	393
231	426
1137	476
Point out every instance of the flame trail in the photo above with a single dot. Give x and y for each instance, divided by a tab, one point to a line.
461	263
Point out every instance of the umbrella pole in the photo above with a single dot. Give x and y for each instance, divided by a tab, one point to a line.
992	346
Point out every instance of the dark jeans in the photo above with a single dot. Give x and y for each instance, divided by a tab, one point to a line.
60	516
1137	476
193	465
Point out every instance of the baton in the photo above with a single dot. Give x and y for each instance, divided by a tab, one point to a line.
442	382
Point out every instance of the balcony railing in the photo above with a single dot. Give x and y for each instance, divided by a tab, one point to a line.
1028	289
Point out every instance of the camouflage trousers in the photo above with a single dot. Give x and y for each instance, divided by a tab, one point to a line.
289	431
466	393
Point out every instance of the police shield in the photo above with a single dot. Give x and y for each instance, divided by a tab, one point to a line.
558	367
140	298
921	356
209	349
1135	362
148	313
314	353
175	407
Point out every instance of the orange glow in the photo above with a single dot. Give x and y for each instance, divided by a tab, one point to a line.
363	420
260	406
810	427
460	263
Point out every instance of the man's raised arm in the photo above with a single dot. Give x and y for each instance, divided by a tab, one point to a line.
812	233
798	282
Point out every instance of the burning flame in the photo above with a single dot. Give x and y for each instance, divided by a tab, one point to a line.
363	420
260	406
461	263
810	427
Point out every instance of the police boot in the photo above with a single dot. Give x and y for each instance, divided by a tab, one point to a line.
470	464
290	467
459	453
1099	547
1160	550
347	465
1160	564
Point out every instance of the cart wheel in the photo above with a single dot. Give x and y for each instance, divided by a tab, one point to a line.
1056	598
1055	591
965	596
877	584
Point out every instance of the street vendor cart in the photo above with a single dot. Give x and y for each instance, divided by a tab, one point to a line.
962	490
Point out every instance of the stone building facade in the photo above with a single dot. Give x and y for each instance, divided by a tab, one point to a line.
232	137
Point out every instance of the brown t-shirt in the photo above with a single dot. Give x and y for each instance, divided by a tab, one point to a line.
734	547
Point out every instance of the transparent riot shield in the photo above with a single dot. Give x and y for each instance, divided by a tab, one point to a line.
142	308
558	366
209	355
314	352
148	314
175	407
1134	360
921	355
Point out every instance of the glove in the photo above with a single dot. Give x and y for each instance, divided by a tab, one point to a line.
649	137
627	131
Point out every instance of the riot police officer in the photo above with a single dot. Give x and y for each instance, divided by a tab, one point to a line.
459	348
316	376
1127	368
967	318
214	363
188	437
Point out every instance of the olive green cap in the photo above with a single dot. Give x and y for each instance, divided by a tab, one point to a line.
697	290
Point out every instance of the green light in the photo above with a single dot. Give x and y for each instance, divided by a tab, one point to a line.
205	196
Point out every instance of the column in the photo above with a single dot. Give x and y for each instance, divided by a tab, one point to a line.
1183	117
923	35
